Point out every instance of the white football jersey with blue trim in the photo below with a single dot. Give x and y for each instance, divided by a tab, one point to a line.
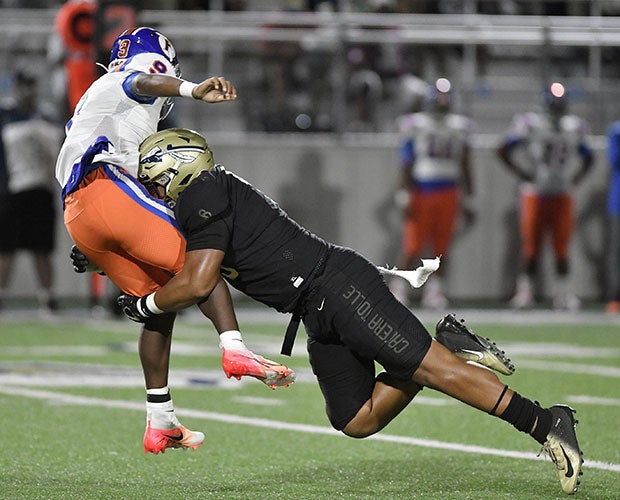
551	152
438	142
108	108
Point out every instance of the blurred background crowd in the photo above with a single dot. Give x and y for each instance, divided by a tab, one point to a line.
322	86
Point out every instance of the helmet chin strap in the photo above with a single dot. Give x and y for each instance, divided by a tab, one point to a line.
105	68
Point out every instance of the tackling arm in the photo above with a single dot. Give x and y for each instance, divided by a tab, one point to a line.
198	279
194	284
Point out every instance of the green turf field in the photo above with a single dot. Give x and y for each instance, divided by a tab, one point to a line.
72	404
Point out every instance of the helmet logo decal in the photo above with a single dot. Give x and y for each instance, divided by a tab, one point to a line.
180	154
166	47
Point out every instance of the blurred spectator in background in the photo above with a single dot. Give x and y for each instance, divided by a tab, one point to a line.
435	166
557	157
371	69
613	209
30	144
292	92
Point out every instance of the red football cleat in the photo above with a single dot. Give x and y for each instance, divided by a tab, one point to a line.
240	363
156	440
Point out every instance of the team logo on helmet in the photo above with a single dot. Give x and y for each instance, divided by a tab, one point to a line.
180	154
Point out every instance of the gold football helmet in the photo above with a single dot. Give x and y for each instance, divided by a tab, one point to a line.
171	159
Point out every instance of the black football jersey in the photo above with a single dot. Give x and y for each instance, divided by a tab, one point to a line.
268	256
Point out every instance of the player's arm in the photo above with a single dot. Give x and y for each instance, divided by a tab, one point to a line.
406	157
467	203
505	152
466	175
211	90
587	160
195	284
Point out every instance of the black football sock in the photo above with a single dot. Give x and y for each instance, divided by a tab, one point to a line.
523	414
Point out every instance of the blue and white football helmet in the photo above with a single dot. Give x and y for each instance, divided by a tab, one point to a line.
144	49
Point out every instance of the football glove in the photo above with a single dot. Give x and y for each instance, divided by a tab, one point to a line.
81	264
135	308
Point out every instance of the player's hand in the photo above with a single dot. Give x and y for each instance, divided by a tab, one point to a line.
134	307
215	89
80	262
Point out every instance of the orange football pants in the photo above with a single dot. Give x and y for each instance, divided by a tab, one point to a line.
546	214
430	220
132	237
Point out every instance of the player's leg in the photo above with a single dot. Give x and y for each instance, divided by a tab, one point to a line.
6	268
613	265
45	274
100	232
478	387
38	232
443	212
163	429
389	397
530	232
357	403
371	325
237	359
113	214
562	222
412	241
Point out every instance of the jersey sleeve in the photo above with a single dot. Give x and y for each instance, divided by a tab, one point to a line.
204	213
406	152
142	99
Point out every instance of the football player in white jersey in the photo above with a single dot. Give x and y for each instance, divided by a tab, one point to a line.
436	185
558	157
131	237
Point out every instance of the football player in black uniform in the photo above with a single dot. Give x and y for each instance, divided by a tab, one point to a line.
352	319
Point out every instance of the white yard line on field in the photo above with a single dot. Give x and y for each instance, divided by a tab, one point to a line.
570	368
590	400
60	398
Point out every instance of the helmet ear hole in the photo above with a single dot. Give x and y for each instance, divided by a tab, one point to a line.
185	180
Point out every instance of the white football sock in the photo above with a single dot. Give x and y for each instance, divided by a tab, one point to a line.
161	415
232	340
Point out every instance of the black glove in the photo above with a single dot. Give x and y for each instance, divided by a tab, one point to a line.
80	262
134	307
